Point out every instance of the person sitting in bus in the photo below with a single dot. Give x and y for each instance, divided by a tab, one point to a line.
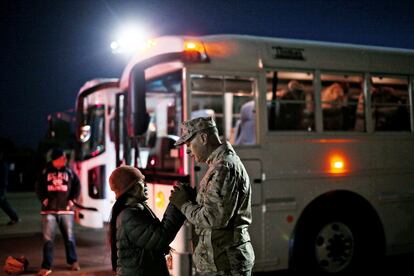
291	106
334	101
388	110
333	96
246	127
139	241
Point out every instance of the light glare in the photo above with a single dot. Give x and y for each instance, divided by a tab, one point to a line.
114	45
337	164
129	39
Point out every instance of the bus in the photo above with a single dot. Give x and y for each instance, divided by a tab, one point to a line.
325	131
95	149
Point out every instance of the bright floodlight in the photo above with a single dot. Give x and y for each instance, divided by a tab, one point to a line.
114	45
129	39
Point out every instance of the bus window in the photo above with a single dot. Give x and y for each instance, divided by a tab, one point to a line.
163	99
207	98
390	103
223	98
92	141
341	102
290	100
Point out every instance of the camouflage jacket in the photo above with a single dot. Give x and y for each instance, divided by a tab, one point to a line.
222	214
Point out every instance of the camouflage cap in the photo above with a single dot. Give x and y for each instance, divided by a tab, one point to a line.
191	127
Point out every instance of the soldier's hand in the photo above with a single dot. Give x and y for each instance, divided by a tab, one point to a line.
179	196
191	191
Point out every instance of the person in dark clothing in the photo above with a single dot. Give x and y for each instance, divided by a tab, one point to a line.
56	189
4	180
139	241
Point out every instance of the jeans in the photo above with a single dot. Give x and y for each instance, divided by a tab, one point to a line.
49	224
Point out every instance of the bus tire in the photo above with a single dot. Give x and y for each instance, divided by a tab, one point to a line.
334	240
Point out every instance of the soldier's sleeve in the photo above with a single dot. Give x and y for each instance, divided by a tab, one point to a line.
221	197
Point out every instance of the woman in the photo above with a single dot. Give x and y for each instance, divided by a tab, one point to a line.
139	241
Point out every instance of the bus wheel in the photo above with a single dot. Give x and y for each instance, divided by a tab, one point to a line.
335	243
334	247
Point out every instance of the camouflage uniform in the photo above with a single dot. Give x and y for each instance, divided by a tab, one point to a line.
221	216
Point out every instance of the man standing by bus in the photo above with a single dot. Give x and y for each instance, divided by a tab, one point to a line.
56	189
221	212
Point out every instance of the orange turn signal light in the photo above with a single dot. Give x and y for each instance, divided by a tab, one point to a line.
194	45
337	164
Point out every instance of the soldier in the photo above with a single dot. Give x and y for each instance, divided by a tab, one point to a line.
221	212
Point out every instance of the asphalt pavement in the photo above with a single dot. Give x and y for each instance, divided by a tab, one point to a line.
25	239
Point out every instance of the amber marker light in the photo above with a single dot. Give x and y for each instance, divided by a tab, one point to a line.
337	164
195	50
190	45
193	45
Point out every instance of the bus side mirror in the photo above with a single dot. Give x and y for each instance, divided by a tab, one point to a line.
137	115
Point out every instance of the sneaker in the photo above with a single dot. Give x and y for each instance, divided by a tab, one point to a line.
12	222
44	272
75	266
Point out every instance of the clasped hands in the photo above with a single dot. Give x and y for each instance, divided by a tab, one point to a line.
181	194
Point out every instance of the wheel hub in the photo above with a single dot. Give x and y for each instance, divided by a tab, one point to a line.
334	247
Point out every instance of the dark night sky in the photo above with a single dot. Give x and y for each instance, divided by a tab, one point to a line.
50	48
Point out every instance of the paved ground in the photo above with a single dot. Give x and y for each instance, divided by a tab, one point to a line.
28	208
25	238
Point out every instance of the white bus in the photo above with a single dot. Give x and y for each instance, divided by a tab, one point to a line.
325	131
95	156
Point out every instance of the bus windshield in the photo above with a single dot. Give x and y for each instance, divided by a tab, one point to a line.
164	106
91	132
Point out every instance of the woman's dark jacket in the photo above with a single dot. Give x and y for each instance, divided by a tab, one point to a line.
142	241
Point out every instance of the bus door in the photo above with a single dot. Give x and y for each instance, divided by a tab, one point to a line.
230	99
118	124
256	229
223	97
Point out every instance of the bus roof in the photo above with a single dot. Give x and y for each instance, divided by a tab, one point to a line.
104	82
256	53
304	42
